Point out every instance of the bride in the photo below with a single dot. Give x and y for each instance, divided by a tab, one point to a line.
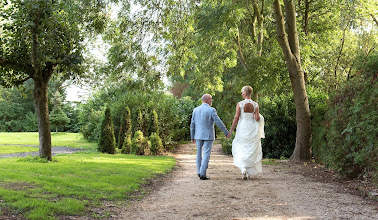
246	146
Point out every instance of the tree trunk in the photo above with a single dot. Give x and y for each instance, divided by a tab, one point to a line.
41	105
290	46
41	77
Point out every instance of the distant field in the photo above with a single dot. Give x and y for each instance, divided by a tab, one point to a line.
60	139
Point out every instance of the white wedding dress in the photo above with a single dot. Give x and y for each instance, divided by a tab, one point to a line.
246	146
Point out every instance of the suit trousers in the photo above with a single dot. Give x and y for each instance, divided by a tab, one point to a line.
203	162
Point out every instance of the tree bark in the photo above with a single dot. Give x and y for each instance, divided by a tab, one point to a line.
42	109
41	77
289	43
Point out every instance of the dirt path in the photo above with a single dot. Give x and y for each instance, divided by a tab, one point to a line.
278	193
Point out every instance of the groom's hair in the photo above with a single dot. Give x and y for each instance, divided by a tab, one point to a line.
205	97
247	89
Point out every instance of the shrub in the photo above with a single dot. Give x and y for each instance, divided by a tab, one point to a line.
280	125
153	125
124	128
156	144
106	143
137	143
349	135
227	144
126	145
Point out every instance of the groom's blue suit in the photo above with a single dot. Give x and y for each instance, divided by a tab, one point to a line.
202	130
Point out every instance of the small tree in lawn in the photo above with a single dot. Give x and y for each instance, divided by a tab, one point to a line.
106	143
57	117
125	128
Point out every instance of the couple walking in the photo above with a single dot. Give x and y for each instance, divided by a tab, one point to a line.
246	146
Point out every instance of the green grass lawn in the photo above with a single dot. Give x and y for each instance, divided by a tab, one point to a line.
72	183
60	139
9	149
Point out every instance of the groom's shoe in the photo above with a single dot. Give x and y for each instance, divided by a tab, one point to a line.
204	178
199	175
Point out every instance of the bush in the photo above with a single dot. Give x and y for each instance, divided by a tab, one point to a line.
280	126
173	114
153	126
126	145
124	128
348	137
137	143
156	144
227	144
106	143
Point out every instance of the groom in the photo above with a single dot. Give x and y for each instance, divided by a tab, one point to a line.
203	134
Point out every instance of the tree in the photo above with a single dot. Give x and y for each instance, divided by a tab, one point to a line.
106	142
57	117
42	38
289	43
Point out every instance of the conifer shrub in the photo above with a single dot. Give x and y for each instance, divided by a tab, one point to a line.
137	143
153	126
156	144
126	145
146	147
125	127
106	142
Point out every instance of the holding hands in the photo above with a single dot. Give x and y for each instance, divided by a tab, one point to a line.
229	134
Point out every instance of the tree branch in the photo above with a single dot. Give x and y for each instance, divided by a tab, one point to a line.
292	28
16	66
374	19
281	33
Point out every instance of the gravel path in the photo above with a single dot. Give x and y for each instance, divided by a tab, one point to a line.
55	150
278	193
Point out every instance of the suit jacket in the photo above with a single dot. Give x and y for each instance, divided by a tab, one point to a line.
202	124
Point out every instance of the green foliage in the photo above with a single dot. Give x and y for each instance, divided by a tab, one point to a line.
106	143
126	147
347	136
156	144
57	117
16	109
153	125
124	128
227	144
138	143
280	126
173	114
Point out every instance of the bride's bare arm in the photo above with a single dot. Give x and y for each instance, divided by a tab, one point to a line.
235	121
257	114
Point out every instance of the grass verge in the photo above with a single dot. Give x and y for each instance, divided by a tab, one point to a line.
72	183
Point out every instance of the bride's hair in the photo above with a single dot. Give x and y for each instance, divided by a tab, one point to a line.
247	89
